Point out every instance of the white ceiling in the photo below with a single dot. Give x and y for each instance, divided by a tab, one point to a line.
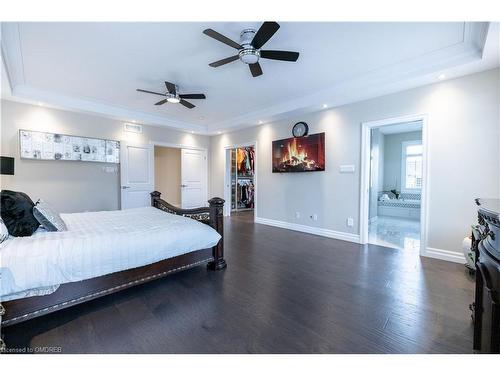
96	67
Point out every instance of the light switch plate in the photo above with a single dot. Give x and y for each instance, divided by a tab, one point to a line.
350	168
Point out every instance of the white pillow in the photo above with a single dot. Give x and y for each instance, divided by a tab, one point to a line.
4	233
48	217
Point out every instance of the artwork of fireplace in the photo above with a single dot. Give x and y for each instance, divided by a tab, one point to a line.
305	154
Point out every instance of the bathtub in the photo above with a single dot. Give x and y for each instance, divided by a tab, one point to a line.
404	208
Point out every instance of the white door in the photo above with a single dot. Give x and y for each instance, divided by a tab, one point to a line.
194	178
137	174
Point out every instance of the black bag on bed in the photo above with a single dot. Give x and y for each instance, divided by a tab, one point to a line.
16	210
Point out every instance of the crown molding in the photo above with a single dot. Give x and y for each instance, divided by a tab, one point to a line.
22	92
392	78
33	95
382	81
477	36
11	54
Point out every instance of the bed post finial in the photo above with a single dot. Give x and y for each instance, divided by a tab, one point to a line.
155	195
217	222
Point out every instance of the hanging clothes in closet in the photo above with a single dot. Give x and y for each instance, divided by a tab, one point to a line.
245	193
245	161
243	188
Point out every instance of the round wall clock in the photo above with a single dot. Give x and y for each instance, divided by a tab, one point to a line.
300	129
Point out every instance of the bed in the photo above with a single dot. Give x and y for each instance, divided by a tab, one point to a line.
105	252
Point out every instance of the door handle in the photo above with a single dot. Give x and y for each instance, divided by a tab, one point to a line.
183	186
125	187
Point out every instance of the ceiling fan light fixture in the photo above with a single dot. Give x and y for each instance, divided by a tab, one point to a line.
249	55
172	95
250	47
173	100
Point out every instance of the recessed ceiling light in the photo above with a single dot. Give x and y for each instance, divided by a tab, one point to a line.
441	77
219	132
40	104
325	106
260	122
192	131
133	121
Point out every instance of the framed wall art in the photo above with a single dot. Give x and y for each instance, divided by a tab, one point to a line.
52	146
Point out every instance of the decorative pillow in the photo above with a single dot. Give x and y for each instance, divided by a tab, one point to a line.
16	210
4	232
48	217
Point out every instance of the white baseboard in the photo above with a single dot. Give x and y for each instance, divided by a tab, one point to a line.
430	252
451	256
308	229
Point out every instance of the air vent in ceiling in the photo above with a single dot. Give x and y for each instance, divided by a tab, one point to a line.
132	128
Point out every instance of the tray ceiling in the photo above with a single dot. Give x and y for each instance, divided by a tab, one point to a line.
97	67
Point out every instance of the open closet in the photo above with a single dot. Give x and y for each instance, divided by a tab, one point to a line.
242	178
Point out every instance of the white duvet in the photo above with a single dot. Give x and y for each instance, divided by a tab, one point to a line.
96	244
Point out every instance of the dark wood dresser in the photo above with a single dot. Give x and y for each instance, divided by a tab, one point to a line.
486	244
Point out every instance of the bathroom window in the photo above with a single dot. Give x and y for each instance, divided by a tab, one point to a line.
411	165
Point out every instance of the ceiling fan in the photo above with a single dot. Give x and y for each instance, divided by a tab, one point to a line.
172	96
249	48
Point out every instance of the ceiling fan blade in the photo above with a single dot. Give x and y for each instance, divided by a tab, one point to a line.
150	92
227	60
170	87
280	55
186	104
221	38
192	96
255	69
265	33
161	102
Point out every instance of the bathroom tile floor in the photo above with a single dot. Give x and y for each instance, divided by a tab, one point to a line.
395	232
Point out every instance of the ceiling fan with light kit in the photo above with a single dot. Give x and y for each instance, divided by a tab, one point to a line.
249	47
173	96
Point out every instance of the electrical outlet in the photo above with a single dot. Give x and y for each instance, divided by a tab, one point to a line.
315	217
297	215
350	222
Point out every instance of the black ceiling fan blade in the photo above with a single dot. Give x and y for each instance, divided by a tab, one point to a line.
221	38
255	69
192	96
170	87
150	92
161	102
227	60
186	104
280	55
265	33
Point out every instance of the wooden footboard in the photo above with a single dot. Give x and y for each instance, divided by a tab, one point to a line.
212	215
70	294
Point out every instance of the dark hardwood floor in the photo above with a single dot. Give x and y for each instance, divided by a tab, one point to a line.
282	292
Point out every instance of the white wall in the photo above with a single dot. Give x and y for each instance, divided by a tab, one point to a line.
168	174
464	143
73	186
393	156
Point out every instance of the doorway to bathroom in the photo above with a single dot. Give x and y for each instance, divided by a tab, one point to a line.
394	183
